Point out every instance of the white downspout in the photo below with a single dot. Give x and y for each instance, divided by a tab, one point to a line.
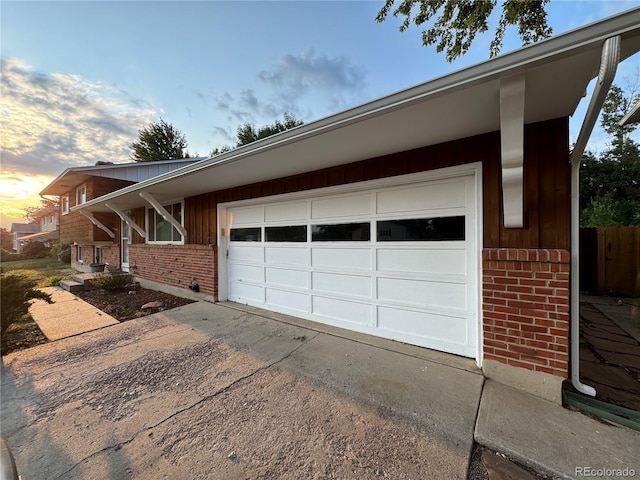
608	66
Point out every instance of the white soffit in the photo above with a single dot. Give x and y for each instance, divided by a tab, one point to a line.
459	105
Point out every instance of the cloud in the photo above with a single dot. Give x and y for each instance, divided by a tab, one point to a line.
52	121
294	77
308	85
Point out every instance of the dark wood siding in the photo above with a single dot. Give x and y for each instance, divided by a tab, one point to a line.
546	185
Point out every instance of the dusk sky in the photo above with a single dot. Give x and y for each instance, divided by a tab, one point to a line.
80	78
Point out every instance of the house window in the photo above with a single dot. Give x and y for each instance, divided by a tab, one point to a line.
44	220
53	219
81	194
79	253
98	255
160	230
65	204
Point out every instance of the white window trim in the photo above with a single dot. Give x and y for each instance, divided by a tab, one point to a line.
78	190
79	254
148	227
64	204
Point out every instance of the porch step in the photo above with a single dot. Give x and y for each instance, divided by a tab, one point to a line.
72	286
84	279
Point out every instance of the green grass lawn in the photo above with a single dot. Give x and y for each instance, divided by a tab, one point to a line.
45	271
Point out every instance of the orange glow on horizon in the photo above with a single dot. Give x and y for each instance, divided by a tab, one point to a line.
18	191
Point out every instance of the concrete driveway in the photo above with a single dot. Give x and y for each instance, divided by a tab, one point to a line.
210	391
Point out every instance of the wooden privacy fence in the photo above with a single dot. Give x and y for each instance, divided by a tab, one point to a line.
610	260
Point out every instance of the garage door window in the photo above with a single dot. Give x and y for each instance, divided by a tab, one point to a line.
295	233
253	234
421	230
345	232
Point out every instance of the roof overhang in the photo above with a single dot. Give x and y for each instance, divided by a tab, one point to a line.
632	117
555	72
76	176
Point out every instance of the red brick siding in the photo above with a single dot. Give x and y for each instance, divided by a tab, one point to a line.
74	227
176	265
111	255
525	308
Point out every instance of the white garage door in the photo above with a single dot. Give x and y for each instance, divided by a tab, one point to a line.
399	262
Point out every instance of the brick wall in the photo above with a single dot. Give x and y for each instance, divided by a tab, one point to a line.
176	265
111	255
526	308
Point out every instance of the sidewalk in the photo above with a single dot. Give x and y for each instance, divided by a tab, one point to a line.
68	315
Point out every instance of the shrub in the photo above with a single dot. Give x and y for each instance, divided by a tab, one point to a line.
7	256
16	292
35	250
54	280
61	251
114	280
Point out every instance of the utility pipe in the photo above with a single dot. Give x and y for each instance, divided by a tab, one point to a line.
608	66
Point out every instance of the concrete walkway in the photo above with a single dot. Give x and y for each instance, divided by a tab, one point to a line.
434	404
68	315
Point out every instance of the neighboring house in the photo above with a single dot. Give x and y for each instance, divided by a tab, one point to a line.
21	231
48	218
439	216
98	238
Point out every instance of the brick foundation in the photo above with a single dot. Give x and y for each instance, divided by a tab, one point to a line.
525	309
176	265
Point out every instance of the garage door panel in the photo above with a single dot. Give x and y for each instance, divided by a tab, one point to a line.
427	260
423	324
287	277
341	258
342	310
356	205
289	212
247	293
246	253
287	299
246	273
424	294
412	276
342	284
286	256
247	215
425	197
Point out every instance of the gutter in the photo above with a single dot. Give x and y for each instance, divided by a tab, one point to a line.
608	66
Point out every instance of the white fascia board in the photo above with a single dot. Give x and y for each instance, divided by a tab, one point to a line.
566	45
632	117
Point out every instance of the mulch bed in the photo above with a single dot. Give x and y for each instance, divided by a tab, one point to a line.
122	305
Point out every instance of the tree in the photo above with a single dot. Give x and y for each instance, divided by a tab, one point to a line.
17	291
610	183
159	141
30	212
455	23
247	133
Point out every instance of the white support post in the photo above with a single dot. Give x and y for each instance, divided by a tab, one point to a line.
512	92
98	224
125	218
163	212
